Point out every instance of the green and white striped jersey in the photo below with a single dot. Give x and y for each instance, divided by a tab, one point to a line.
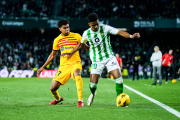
100	47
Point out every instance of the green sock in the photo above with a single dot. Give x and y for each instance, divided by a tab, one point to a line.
93	87
119	88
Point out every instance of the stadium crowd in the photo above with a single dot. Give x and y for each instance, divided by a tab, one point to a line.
80	8
29	49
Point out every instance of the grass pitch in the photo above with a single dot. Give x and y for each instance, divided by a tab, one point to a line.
28	99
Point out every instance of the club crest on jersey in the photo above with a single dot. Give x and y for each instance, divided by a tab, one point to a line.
62	48
66	41
114	63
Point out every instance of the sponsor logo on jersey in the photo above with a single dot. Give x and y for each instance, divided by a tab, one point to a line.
114	63
62	48
69	47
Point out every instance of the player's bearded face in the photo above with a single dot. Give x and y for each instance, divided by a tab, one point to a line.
94	25
65	30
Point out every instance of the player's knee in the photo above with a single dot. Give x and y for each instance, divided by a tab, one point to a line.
77	72
93	85
119	80
52	88
55	85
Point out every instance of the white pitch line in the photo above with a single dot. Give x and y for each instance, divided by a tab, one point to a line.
171	110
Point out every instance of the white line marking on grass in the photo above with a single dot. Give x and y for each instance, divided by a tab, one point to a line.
171	110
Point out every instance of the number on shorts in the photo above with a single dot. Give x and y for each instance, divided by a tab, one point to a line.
94	66
59	72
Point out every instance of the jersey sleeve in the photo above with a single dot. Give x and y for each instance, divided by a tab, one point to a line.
111	30
55	45
84	38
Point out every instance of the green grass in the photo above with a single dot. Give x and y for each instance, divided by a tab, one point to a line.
28	99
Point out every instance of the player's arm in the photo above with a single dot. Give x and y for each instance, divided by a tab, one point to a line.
152	57
50	58
85	46
78	46
121	64
114	31
127	35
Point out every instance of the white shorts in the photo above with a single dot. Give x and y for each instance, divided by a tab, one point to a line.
110	63
140	73
148	73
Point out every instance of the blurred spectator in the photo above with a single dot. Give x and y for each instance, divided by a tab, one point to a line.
119	60
135	66
149	71
140	71
156	61
131	71
167	60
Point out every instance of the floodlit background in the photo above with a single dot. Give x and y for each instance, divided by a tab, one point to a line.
28	28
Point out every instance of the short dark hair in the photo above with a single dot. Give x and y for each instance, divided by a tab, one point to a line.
63	22
93	17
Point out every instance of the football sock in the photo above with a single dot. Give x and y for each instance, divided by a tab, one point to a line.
119	86
79	85
93	87
56	95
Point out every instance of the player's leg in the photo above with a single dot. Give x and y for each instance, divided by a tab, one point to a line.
54	90
154	72
114	69
93	86
159	73
119	80
133	74
93	82
79	86
60	78
166	68
96	70
137	75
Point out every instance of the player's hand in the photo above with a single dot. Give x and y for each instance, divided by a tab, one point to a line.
169	65
136	35
68	55
39	71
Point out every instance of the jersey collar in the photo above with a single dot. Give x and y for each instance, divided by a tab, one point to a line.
65	36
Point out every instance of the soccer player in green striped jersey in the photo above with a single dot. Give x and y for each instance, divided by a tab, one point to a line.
101	54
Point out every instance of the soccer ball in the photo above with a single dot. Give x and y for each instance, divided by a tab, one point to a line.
174	81
122	100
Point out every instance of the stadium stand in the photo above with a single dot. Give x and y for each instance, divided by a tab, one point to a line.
28	49
80	8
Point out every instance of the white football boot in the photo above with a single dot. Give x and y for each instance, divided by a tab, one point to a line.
91	98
